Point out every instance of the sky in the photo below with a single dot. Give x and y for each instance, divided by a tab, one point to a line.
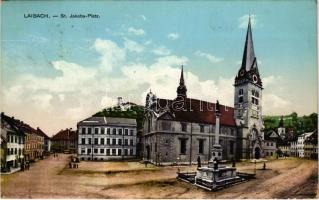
58	71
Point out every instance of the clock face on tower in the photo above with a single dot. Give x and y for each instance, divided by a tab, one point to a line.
255	79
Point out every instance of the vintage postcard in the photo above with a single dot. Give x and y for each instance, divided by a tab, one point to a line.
159	99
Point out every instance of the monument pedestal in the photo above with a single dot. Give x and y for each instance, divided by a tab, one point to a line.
211	178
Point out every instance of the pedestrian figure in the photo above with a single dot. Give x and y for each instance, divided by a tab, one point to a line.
28	166
233	163
178	170
73	165
145	162
70	165
264	167
198	162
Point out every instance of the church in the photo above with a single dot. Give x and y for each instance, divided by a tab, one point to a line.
182	129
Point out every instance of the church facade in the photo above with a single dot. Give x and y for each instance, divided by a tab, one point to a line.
181	130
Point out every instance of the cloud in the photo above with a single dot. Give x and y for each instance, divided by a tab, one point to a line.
143	17
133	46
137	32
209	57
173	36
274	104
111	53
243	21
161	51
76	91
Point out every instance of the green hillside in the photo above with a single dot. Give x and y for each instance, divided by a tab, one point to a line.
135	112
293	121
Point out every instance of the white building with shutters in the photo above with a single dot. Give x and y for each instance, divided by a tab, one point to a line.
107	138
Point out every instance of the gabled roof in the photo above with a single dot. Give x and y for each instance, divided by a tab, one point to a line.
67	134
41	133
196	111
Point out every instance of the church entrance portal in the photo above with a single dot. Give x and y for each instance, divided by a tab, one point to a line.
257	153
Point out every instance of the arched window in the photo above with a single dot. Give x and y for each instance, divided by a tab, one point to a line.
241	91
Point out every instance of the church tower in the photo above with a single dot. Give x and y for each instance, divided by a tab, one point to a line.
247	103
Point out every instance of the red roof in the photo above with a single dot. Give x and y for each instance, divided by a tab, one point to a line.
197	111
66	134
41	133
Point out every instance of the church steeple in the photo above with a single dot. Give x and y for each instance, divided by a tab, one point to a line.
249	59
248	71
181	89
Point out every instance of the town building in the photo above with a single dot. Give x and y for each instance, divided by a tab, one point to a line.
311	146
47	142
270	144
294	148
107	138
65	141
12	144
301	144
33	143
182	129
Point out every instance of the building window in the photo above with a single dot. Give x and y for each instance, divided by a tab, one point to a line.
113	141
96	130
183	146
120	131
95	151
126	131
231	147
89	130
155	147
184	127
131	152
82	151
101	151
108	141
96	141
102	130
108	131
125	152
83	141
200	146
102	141
271	153
119	141
241	92
114	131
126	142
83	131
113	152
119	152
202	128
131	132
89	141
131	142
166	141
89	151
241	99
107	152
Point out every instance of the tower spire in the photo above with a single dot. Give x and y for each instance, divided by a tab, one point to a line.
181	89
181	80
249	59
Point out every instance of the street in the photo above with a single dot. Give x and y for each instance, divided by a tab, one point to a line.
52	178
